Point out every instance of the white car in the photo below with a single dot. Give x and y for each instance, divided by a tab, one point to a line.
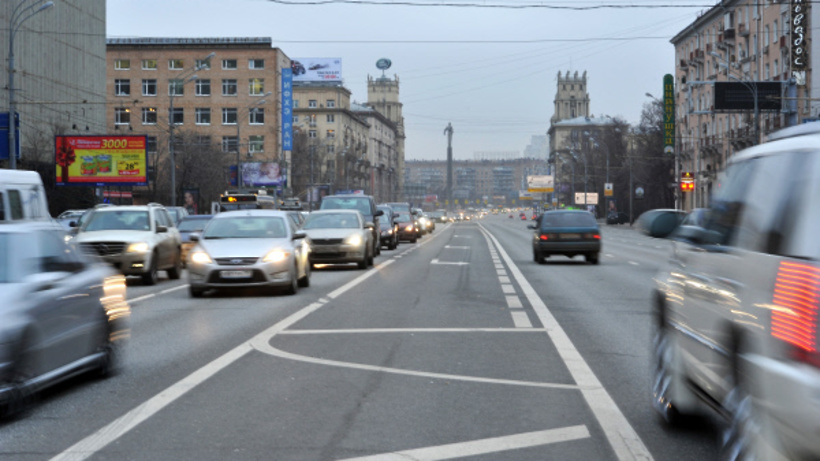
340	236
249	248
737	305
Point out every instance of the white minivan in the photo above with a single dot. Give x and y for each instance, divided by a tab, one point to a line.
22	196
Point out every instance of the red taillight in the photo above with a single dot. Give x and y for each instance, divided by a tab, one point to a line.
796	297
544	237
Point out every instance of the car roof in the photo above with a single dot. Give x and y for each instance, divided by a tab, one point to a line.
240	213
337	210
29	225
795	139
192	217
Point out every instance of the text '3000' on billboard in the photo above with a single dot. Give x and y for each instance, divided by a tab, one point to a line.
101	160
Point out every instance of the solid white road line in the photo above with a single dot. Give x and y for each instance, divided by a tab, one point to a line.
409	330
622	437
483	447
521	319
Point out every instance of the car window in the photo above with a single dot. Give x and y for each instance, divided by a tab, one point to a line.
15	204
54	253
332	221
164	218
118	220
568	220
192	225
728	203
248	227
5	258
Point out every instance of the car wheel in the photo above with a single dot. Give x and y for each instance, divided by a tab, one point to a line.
20	395
151	277
535	256
294	283
195	292
592	258
111	360
175	272
370	260
413	240
363	263
304	282
378	248
667	384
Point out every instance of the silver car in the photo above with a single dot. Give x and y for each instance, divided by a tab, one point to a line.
249	248
340	236
62	313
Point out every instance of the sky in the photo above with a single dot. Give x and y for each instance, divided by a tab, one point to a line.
489	67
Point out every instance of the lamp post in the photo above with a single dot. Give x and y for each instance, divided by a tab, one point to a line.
183	79
251	108
18	17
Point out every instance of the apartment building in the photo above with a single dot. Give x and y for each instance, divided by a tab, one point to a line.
383	96
382	153
744	41
222	93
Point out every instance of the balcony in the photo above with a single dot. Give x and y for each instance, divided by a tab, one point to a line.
742	30
683	64
766	49
729	35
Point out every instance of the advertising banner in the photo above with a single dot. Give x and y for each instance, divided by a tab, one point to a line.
287	109
316	69
263	174
101	160
524	195
668	114
543	183
4	135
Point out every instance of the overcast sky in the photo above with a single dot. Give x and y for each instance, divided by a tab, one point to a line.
491	71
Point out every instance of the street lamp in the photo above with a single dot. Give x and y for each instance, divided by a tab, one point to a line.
250	107
18	17
183	79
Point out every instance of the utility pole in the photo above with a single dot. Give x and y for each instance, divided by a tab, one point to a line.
449	132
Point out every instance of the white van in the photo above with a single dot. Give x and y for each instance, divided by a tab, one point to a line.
22	196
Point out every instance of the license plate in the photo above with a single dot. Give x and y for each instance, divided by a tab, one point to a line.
235	274
570	236
318	249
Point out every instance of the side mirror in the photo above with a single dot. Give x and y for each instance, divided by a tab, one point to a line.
379	213
72	224
161	229
369	225
300	234
194	237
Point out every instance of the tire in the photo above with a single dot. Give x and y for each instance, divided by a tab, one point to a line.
195	292
536	257
370	260
363	263
293	288
175	272
668	388
592	258
304	282
21	396
413	240
151	277
111	362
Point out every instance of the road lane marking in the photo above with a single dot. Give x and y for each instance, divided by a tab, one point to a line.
504	279
450	263
410	330
622	437
514	302
499	266
521	319
634	263
609	255
456	247
501	272
141	298
169	290
484	446
508	288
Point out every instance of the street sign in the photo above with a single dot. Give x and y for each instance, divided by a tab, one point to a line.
4	135
542	183
608	189
591	198
524	195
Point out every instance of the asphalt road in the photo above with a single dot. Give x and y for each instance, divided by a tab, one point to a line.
458	347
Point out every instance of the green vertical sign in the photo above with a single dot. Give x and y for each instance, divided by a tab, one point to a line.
668	114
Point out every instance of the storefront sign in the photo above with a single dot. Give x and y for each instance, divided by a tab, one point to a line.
799	31
669	114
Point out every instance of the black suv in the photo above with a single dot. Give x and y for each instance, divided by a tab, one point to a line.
365	205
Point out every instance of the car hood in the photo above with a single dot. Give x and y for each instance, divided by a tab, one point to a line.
242	248
113	236
330	233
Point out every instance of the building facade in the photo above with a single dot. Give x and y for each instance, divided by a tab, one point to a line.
748	42
59	74
382	159
222	93
383	97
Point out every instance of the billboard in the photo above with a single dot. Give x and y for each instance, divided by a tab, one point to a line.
4	135
543	183
316	69
741	96
101	160
263	174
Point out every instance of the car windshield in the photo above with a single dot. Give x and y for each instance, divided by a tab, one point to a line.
332	221
118	220
403	217
252	227
337	203
192	225
568	220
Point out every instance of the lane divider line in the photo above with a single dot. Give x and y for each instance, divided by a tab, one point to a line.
521	319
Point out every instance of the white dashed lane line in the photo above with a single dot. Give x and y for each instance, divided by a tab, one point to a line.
521	319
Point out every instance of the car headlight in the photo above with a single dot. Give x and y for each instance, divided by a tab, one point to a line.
200	257
354	240
409	228
139	247
275	256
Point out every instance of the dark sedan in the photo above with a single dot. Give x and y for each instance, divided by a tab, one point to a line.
568	233
189	225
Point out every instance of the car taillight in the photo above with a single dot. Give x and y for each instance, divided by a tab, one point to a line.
544	237
593	235
797	297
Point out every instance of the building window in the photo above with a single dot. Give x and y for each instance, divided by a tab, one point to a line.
177	116
295	119
229	87
175	87
256	144
203	64
149	64
331	104
122	87
776	34
295	103
312	104
256	86
149	115
230	144
203	141
256	116
331	149
122	116
312	134
229	64
176	64
229	116
151	145
331	133
203	87
149	87
122	64
203	116
331	118
256	64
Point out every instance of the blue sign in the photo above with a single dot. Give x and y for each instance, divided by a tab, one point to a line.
4	135
287	109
